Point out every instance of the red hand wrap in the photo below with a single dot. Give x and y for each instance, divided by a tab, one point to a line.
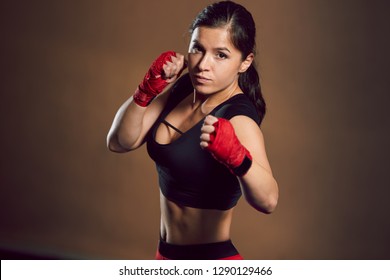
153	82
227	149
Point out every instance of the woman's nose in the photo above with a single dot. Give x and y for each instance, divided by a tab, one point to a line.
204	63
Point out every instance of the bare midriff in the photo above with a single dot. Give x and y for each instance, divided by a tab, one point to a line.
183	225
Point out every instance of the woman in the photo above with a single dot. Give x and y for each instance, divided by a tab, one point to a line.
203	133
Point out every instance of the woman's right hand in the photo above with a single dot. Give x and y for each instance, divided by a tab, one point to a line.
164	70
173	69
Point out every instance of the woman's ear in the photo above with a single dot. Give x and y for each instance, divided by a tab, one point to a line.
246	63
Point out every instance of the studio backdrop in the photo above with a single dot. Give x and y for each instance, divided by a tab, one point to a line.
67	66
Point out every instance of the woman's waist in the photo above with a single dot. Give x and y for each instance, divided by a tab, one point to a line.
204	251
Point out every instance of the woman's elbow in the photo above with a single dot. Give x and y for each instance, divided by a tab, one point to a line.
272	200
113	144
266	205
115	148
270	206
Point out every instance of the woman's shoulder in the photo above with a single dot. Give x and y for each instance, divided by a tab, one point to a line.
239	104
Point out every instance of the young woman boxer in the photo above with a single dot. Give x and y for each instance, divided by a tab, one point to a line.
203	133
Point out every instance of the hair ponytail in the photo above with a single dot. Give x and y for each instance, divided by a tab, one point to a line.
249	82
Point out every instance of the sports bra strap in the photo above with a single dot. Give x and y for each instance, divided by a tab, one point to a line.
171	126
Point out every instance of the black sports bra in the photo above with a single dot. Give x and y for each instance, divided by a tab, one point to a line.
188	175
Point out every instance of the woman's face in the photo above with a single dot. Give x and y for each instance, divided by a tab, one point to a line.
214	63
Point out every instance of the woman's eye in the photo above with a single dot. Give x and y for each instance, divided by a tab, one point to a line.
195	50
221	56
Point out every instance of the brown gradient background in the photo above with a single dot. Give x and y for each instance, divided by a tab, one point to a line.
66	67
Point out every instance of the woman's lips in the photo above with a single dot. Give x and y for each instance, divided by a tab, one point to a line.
201	79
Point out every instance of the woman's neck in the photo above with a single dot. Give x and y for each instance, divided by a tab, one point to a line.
207	103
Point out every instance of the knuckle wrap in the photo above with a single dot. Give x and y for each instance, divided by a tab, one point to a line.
153	82
227	149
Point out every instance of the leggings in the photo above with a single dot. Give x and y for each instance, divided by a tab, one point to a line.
224	250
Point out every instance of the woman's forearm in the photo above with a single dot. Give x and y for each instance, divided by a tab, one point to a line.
260	188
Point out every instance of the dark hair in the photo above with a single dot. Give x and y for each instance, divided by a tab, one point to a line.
243	36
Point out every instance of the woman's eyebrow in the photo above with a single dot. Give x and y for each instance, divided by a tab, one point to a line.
222	49
196	42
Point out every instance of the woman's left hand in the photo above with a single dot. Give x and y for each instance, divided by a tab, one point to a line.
206	130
